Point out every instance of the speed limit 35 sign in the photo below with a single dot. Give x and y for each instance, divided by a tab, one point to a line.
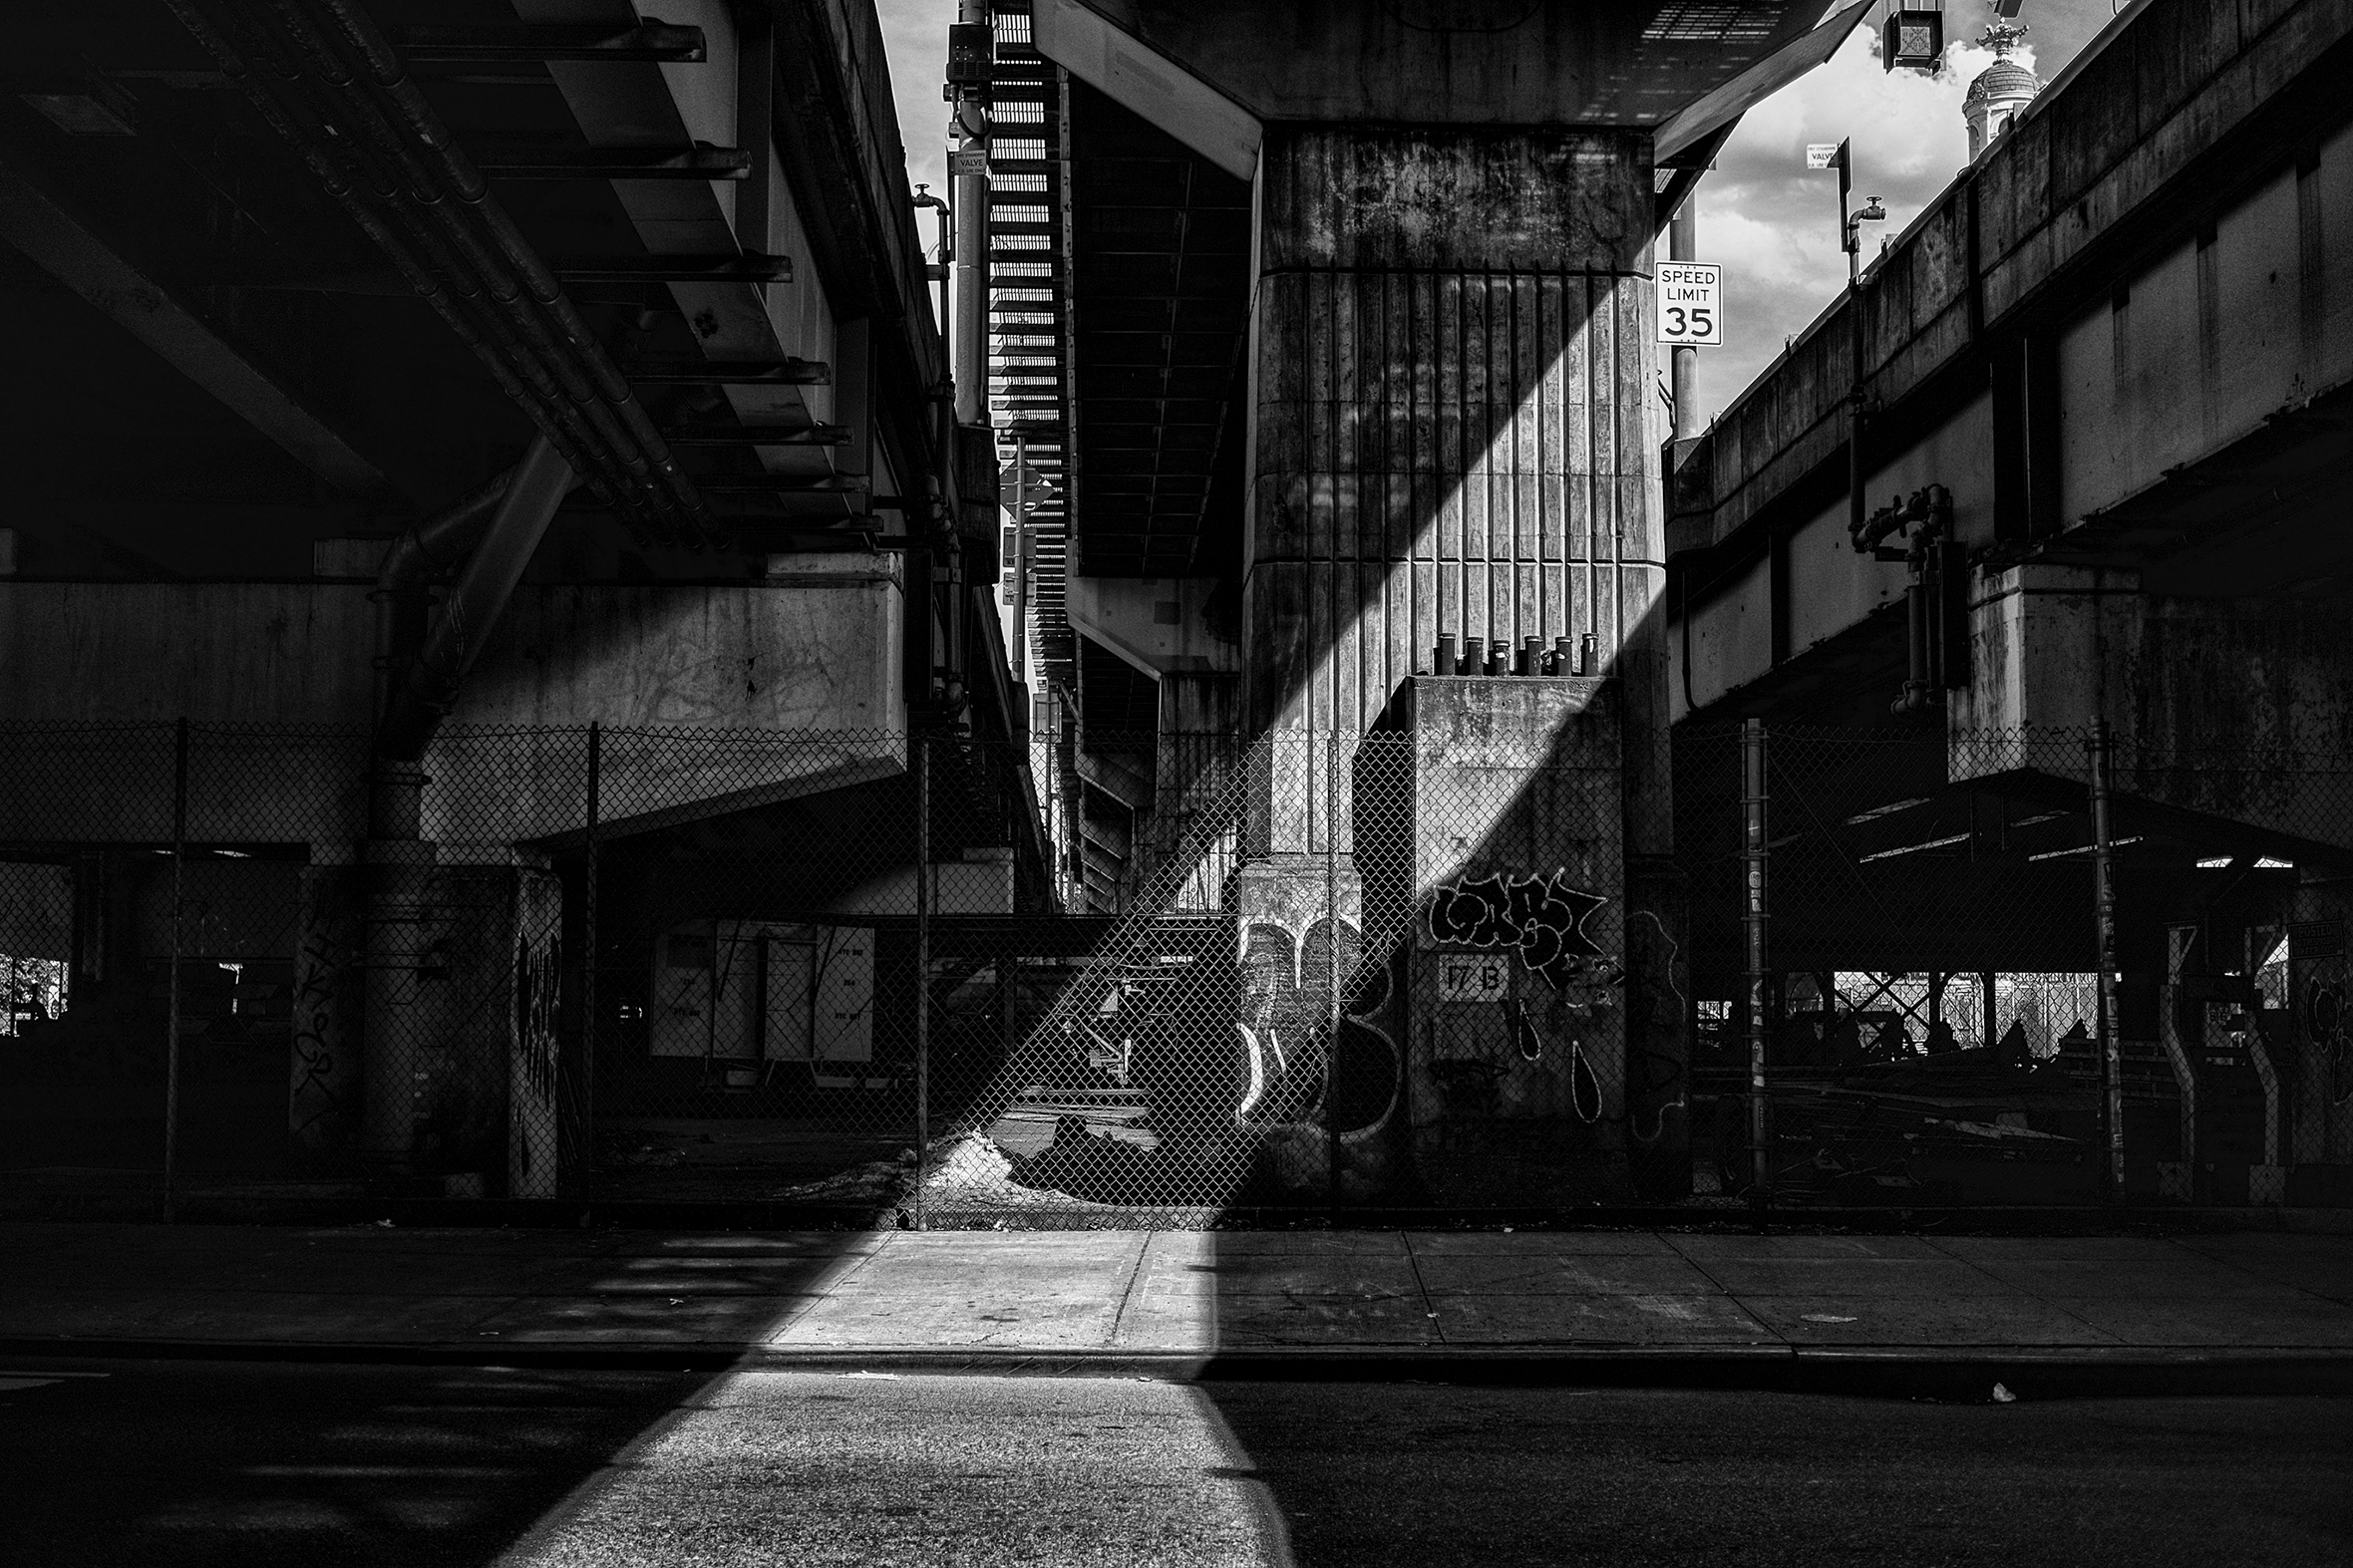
1690	303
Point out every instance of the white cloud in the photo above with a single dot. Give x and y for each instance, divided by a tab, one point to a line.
915	35
1774	225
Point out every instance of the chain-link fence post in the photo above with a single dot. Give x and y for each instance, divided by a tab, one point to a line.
171	1024
1331	1090
920	744
2101	746
1753	853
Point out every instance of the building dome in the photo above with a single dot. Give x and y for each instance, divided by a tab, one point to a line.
2005	78
2000	91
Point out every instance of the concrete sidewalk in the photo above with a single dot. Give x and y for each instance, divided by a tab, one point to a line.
1081	1297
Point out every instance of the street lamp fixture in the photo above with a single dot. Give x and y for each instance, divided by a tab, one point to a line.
1914	39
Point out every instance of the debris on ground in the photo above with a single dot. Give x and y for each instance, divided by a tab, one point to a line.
968	1168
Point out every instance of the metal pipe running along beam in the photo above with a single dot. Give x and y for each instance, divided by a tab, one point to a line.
641	446
430	686
498	294
350	176
460	307
466	43
700	163
432	545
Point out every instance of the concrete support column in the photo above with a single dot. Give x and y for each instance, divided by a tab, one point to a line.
1452	401
1455	435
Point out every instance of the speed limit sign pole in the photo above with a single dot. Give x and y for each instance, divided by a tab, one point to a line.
1683	372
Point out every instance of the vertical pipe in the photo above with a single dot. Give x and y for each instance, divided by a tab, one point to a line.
1331	959
1991	1015
586	1089
1752	751
970	228
1053	806
2112	1082
1915	643
1849	236
400	870
1855	517
922	748
171	1026
1683	384
1021	561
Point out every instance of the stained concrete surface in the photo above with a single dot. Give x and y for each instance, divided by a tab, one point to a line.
164	1463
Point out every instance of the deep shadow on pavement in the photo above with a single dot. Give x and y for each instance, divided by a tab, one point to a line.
1440	1476
163	1464
256	1465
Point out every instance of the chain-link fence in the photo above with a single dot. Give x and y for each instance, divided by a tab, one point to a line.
1170	979
1899	940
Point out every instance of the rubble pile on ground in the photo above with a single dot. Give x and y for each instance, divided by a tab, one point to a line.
967	1171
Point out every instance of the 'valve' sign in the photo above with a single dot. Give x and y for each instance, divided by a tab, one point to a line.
1689	303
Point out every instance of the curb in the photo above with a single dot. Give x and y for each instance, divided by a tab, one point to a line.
1913	1371
727	1214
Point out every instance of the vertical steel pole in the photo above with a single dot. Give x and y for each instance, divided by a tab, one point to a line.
172	1037
1683	360
1751	753
585	1091
1332	955
1021	564
1052	821
2111	1067
969	224
922	748
1848	237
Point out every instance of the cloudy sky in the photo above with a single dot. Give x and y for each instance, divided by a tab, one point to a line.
1770	221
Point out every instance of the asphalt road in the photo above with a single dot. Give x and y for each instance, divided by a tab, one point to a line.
166	1464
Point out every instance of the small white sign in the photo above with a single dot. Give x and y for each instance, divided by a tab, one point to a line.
1690	303
973	160
1821	154
1470	977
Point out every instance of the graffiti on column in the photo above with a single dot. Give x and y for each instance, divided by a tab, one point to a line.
1584	1089
1542	917
1286	1029
536	987
1309	1083
318	966
532	1139
1658	1075
2328	1024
